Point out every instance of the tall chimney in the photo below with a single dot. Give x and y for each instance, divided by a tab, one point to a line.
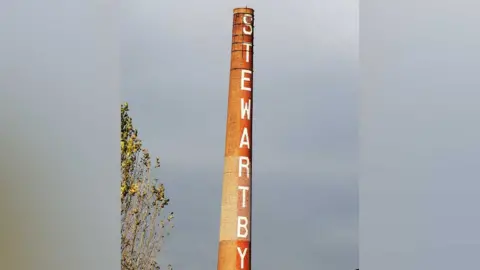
234	251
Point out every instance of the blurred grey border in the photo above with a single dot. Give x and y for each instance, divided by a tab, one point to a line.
419	135
59	161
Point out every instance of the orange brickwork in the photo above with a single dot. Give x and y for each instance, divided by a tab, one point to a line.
234	251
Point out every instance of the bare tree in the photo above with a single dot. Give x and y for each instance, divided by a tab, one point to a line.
144	223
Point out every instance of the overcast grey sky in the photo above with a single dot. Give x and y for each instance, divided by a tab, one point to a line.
175	68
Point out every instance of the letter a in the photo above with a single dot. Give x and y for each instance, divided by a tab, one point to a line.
244	141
